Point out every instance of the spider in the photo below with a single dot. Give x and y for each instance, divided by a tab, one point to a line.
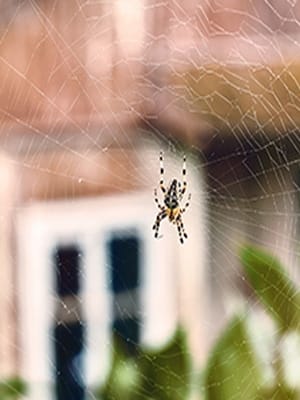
172	198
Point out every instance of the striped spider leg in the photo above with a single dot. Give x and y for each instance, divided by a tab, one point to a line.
162	171
184	182
159	218
181	231
186	204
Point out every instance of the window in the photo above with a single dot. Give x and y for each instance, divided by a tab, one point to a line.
124	262
84	271
67	263
68	330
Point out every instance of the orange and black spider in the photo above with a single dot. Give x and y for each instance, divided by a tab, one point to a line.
173	195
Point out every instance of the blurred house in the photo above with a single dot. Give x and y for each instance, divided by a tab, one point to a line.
90	94
80	160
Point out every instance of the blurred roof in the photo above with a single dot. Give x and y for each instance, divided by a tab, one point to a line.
244	98
181	70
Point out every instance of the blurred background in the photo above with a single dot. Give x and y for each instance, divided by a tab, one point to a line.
92	305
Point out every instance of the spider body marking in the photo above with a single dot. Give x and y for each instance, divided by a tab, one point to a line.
172	198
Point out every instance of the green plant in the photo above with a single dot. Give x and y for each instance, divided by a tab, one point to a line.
12	389
148	374
166	372
276	291
234	370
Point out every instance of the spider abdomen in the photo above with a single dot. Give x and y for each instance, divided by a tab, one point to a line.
173	213
171	198
171	202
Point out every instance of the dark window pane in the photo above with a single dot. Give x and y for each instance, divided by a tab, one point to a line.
67	266
124	263
128	330
68	342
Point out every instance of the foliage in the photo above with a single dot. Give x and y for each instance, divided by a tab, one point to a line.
124	378
148	374
166	372
234	370
12	389
273	287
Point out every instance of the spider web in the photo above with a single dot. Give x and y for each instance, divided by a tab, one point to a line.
90	93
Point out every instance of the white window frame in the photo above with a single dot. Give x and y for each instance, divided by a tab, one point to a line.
88	222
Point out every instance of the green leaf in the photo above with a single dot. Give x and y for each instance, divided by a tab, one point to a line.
162	374
280	392
233	370
12	388
124	378
166	372
273	287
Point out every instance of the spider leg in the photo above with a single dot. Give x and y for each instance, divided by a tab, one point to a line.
184	182
157	201
162	171
181	231
157	222
186	204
